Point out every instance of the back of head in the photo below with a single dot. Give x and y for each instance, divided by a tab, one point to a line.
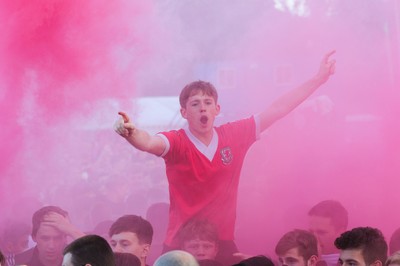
176	258
193	88
90	249
331	209
135	224
198	229
39	215
303	240
256	261
126	259
394	244
370	240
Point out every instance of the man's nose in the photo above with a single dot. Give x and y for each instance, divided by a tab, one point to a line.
118	248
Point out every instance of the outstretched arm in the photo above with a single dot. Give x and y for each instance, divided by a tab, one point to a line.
287	102
138	138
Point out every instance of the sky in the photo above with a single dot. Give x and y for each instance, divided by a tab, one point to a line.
68	67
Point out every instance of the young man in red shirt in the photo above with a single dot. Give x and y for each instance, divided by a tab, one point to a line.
203	162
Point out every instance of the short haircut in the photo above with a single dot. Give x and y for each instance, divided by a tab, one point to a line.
195	87
331	209
38	216
370	240
394	259
135	224
176	258
126	259
90	249
305	242
195	228
394	243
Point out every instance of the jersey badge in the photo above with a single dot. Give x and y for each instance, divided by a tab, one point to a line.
226	155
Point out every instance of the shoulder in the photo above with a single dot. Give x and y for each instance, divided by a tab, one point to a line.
24	257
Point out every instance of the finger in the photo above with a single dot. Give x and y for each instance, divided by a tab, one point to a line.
326	57
124	116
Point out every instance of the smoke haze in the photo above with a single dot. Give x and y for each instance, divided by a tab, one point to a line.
68	67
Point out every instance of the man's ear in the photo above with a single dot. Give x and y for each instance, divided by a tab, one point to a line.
183	112
312	261
218	108
377	263
145	250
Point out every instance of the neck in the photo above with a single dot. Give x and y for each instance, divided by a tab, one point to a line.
204	137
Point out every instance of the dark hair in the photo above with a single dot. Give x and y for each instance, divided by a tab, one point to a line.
193	88
370	240
2	259
197	228
394	243
135	224
331	209
90	249
256	261
303	240
37	217
126	259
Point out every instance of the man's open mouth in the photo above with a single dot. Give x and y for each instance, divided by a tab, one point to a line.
204	119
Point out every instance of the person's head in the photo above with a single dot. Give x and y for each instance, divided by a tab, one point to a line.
131	234
49	240
176	258
89	250
393	260
197	87
297	248
394	243
200	238
199	105
256	261
327	220
126	259
15	237
362	246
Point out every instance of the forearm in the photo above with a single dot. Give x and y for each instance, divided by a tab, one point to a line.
142	140
289	101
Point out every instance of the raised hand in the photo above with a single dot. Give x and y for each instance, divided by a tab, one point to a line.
124	126
327	67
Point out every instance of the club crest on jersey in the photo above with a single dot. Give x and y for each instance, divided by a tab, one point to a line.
226	155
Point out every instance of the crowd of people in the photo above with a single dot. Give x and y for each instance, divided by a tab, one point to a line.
326	242
203	164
